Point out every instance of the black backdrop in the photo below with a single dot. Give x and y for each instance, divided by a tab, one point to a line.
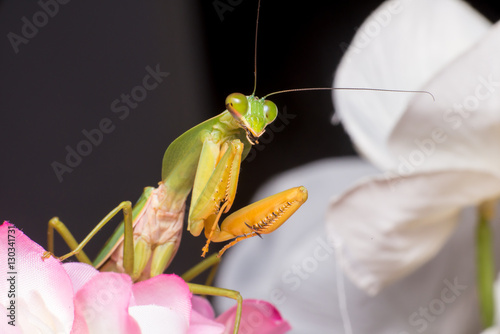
65	76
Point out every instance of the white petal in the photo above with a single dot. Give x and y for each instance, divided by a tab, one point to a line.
495	329
492	330
462	127
400	46
295	268
386	228
262	269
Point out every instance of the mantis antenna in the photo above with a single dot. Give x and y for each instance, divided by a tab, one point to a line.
319	88
351	88
255	50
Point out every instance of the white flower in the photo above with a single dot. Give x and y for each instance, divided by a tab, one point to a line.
439	156
296	268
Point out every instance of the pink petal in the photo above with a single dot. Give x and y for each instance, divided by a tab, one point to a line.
203	307
258	317
154	319
44	295
203	325
79	273
101	305
202	318
6	328
165	290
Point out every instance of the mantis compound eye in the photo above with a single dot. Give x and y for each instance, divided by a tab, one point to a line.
237	104
270	111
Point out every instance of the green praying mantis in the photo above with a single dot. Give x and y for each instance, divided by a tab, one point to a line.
204	161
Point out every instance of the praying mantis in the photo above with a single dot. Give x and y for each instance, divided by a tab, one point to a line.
204	161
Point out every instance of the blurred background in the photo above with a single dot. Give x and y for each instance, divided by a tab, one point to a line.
67	68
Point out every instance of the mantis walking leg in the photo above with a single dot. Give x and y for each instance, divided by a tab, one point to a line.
212	262
221	292
77	249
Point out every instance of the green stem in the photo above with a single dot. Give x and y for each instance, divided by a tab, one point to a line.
485	265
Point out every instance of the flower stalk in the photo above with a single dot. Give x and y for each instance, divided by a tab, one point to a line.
485	264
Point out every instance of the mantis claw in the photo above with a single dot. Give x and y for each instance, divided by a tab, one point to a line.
46	255
252	228
261	217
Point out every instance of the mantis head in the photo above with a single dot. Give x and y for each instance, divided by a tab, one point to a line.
252	114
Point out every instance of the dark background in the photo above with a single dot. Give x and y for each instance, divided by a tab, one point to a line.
64	80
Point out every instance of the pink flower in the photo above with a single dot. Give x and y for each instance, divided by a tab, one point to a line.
258	317
36	294
51	297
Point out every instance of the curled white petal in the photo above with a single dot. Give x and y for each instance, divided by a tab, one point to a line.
295	268
402	45
387	227
462	127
